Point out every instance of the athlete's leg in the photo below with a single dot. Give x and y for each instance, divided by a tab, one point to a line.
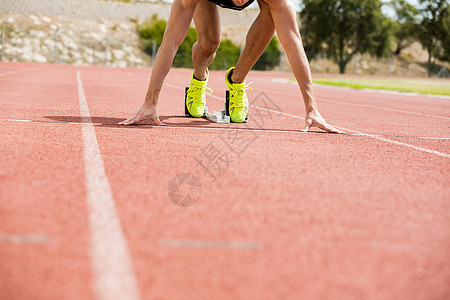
284	18
258	37
207	23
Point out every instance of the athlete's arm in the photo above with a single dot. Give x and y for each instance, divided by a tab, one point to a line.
180	18
284	18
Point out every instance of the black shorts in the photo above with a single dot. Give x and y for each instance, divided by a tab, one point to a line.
229	4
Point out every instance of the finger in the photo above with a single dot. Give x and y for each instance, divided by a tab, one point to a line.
330	128
155	118
134	119
308	124
158	122
327	127
339	131
125	121
128	120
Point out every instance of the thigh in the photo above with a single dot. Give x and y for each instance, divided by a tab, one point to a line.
207	22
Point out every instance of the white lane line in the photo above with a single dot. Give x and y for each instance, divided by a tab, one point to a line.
16	120
18	72
50	122
438	97
294	131
328	100
384	108
115	126
293	82
397	143
362	105
9	73
187	243
25	238
147	79
374	136
431	138
369	106
342	128
114	276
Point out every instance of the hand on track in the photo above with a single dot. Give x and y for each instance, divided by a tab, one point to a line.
143	113
314	119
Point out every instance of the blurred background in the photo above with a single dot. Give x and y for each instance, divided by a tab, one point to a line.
405	38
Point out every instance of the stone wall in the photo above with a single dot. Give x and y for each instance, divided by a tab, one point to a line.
111	10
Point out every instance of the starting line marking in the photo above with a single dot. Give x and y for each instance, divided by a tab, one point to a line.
341	128
50	122
187	243
19	71
328	100
398	143
25	238
287	81
372	106
374	136
115	126
114	276
384	108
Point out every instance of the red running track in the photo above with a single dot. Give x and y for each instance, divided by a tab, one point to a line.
85	211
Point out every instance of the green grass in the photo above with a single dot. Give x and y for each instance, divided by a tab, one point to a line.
432	87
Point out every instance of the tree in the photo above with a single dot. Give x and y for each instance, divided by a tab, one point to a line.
405	26
270	57
434	30
153	30
343	28
227	55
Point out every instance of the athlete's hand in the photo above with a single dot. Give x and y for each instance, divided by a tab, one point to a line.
314	119
145	112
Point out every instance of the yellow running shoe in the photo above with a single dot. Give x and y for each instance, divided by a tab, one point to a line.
196	96
238	101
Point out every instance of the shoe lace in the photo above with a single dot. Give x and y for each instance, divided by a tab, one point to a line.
203	90
238	94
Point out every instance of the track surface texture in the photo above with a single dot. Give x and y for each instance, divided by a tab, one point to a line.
93	210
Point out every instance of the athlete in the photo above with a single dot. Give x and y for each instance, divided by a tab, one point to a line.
274	15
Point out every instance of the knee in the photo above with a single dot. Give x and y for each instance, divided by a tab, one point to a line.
209	47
